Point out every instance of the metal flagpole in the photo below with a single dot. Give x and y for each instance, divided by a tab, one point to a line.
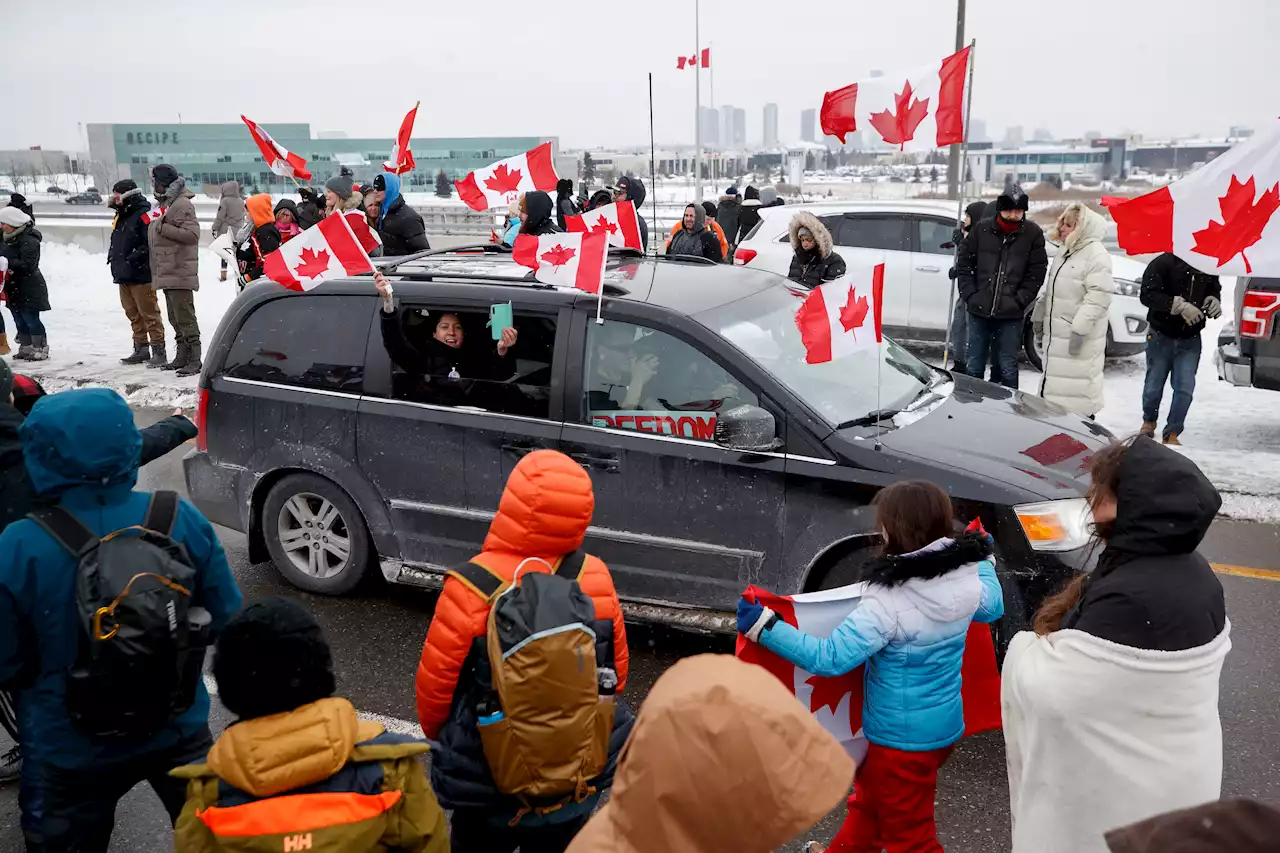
715	159
653	162
697	107
964	168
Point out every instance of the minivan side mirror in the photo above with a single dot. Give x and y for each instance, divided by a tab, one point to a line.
748	429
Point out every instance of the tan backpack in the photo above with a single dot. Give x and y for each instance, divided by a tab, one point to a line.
545	727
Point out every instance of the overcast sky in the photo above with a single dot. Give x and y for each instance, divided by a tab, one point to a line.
577	69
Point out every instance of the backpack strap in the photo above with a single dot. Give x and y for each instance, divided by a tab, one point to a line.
65	529
572	565
480	580
162	512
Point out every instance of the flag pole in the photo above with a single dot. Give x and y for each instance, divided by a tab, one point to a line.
697	106
964	168
715	159
653	164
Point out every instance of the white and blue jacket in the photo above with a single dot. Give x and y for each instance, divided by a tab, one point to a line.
910	631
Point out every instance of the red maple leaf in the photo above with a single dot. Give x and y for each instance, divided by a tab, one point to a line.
1242	224
828	692
502	180
854	312
899	127
314	264
604	224
558	256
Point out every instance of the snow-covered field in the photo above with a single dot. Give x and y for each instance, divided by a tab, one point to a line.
1232	433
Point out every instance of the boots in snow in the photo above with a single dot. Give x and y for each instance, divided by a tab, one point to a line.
24	347
1148	429
1172	440
39	348
140	354
222	274
193	365
179	357
4	344
158	356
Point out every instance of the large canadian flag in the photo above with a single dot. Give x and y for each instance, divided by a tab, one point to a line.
328	249
501	183
1220	218
365	236
278	158
564	260
617	221
841	317
916	110
836	701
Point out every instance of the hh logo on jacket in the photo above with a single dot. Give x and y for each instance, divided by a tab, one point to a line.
297	842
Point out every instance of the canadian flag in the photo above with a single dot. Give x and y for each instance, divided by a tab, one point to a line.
683	62
278	159
565	260
836	701
501	183
618	221
401	154
841	317
918	110
1220	218
153	214
328	249
365	236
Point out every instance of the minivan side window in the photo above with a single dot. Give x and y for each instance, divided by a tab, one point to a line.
313	341
643	380
933	234
875	232
832	221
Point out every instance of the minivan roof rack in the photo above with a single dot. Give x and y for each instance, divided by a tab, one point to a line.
485	248
526	280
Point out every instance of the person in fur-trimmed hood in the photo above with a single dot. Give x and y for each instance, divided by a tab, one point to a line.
910	630
814	261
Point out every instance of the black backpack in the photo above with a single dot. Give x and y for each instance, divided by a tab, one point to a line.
142	642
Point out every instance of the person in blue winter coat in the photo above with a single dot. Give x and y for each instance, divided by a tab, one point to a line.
909	629
82	450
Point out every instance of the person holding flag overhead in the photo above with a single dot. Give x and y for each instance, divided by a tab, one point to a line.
913	619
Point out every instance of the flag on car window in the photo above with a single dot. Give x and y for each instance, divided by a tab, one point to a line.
916	110
278	158
841	317
617	221
564	260
499	184
328	249
1221	218
401	154
836	701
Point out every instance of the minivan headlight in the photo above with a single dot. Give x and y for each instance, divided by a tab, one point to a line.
1124	287
1056	525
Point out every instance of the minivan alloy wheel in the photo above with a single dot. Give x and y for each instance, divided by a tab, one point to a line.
314	535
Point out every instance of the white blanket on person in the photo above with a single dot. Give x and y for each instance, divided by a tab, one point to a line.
1100	735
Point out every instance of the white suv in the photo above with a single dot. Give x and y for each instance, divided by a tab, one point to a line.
915	239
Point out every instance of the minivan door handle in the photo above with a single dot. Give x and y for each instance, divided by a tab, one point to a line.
611	464
928	269
519	448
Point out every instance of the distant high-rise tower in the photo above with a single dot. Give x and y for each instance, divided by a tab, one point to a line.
739	127
726	125
1013	137
1090	135
1041	134
770	125
709	120
807	121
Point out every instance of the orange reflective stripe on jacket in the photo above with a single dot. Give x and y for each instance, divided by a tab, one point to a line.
296	813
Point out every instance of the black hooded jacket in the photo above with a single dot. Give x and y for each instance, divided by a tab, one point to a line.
430	363
565	204
636	194
25	287
129	256
1152	589
998	273
1169	276
311	210
402	230
540	209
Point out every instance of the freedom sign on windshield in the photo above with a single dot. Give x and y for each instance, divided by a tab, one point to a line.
696	425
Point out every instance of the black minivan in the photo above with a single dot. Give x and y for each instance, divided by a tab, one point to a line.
720	458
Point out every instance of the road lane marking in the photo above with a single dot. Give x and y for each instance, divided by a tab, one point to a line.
1246	572
391	724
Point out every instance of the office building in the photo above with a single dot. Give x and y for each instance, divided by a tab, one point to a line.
709	124
770	125
808	123
726	125
1013	137
739	127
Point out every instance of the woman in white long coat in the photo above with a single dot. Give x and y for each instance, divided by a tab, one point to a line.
1071	312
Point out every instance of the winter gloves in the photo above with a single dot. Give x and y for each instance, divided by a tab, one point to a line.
1077	344
1190	313
753	619
1213	307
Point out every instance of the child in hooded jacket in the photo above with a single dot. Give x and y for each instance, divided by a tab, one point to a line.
262	238
909	629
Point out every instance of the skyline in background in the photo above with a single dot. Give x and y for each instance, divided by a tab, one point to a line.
1160	68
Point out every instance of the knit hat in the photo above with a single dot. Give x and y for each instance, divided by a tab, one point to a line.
380	182
272	658
1013	199
124	186
339	186
731	191
163	175
14	217
6	382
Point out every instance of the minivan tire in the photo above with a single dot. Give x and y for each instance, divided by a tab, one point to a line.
1029	345
307	505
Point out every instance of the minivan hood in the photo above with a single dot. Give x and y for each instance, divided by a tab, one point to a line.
1015	438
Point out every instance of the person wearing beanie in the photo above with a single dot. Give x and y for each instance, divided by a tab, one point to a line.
632	189
749	216
1000	269
401	227
25	290
173	235
298	760
973	214
339	195
229	218
769	197
19	201
129	258
727	217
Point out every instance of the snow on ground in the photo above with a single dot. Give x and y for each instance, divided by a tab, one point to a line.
1232	433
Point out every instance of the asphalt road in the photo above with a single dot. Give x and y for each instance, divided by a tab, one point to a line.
377	637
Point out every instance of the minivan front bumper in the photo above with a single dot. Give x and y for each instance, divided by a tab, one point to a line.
215	490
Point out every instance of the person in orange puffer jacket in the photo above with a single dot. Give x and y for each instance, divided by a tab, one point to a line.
544	512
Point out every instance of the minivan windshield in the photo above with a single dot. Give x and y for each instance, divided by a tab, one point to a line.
842	390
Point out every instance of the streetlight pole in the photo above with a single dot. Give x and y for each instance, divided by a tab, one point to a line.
954	166
697	107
